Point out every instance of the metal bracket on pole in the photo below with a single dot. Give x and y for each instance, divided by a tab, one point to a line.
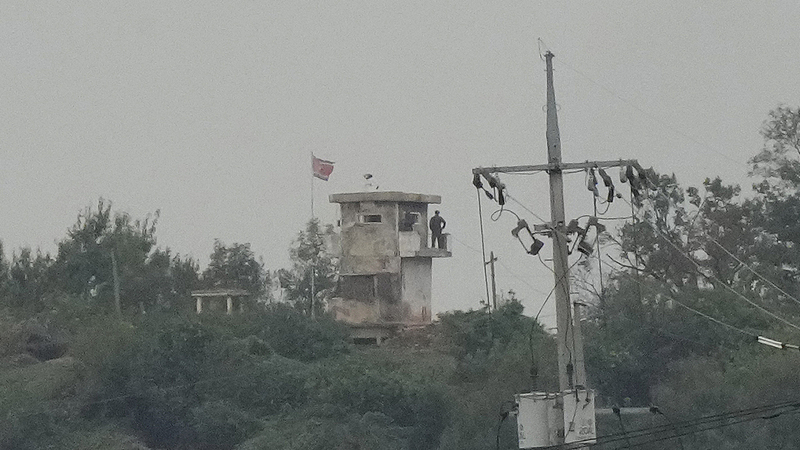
554	167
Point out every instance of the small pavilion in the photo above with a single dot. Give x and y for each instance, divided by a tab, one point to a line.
220	299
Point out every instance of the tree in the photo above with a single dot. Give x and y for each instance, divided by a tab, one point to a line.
147	275
236	267
165	278
705	248
655	242
84	261
28	279
4	275
777	202
310	262
777	162
184	276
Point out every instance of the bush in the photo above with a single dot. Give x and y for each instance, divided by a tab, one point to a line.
36	337
347	432
220	425
155	378
288	332
263	386
175	369
294	335
360	387
31	402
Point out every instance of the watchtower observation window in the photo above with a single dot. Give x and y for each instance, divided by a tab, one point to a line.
408	220
371	218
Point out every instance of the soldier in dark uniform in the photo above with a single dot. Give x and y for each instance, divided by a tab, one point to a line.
437	224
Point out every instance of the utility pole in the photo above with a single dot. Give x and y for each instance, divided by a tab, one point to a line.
115	274
566	367
571	369
491	261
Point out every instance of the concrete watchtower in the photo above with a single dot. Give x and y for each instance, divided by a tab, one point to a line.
385	262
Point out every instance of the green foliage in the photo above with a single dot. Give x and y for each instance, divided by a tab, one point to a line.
148	277
291	334
497	354
639	332
368	431
98	340
90	436
279	379
483	341
359	386
84	261
177	374
237	267
4	275
28	279
220	425
749	377
30	401
288	332
477	331
311	262
777	161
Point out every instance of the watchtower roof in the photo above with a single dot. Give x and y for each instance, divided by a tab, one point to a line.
220	292
384	196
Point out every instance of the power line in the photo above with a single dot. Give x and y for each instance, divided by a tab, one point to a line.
717	321
526	208
685	427
465	244
760	339
687	431
510	272
714	278
650	116
710	238
751	269
541	308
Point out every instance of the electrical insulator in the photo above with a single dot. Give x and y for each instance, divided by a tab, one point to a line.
592	183
536	244
640	170
608	183
635	186
606	179
535	247
476	181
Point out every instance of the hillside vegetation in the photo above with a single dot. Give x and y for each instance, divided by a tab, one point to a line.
688	285
270	380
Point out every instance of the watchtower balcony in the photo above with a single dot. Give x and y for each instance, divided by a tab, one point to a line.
411	246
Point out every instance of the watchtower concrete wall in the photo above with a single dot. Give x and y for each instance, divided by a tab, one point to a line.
385	262
369	247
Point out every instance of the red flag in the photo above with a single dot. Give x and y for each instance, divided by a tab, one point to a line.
322	169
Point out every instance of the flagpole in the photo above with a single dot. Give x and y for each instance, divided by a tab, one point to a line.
312	186
321	169
314	257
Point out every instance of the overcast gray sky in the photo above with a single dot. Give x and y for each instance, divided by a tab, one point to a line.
208	110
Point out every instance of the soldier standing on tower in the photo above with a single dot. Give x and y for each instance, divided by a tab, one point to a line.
437	224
